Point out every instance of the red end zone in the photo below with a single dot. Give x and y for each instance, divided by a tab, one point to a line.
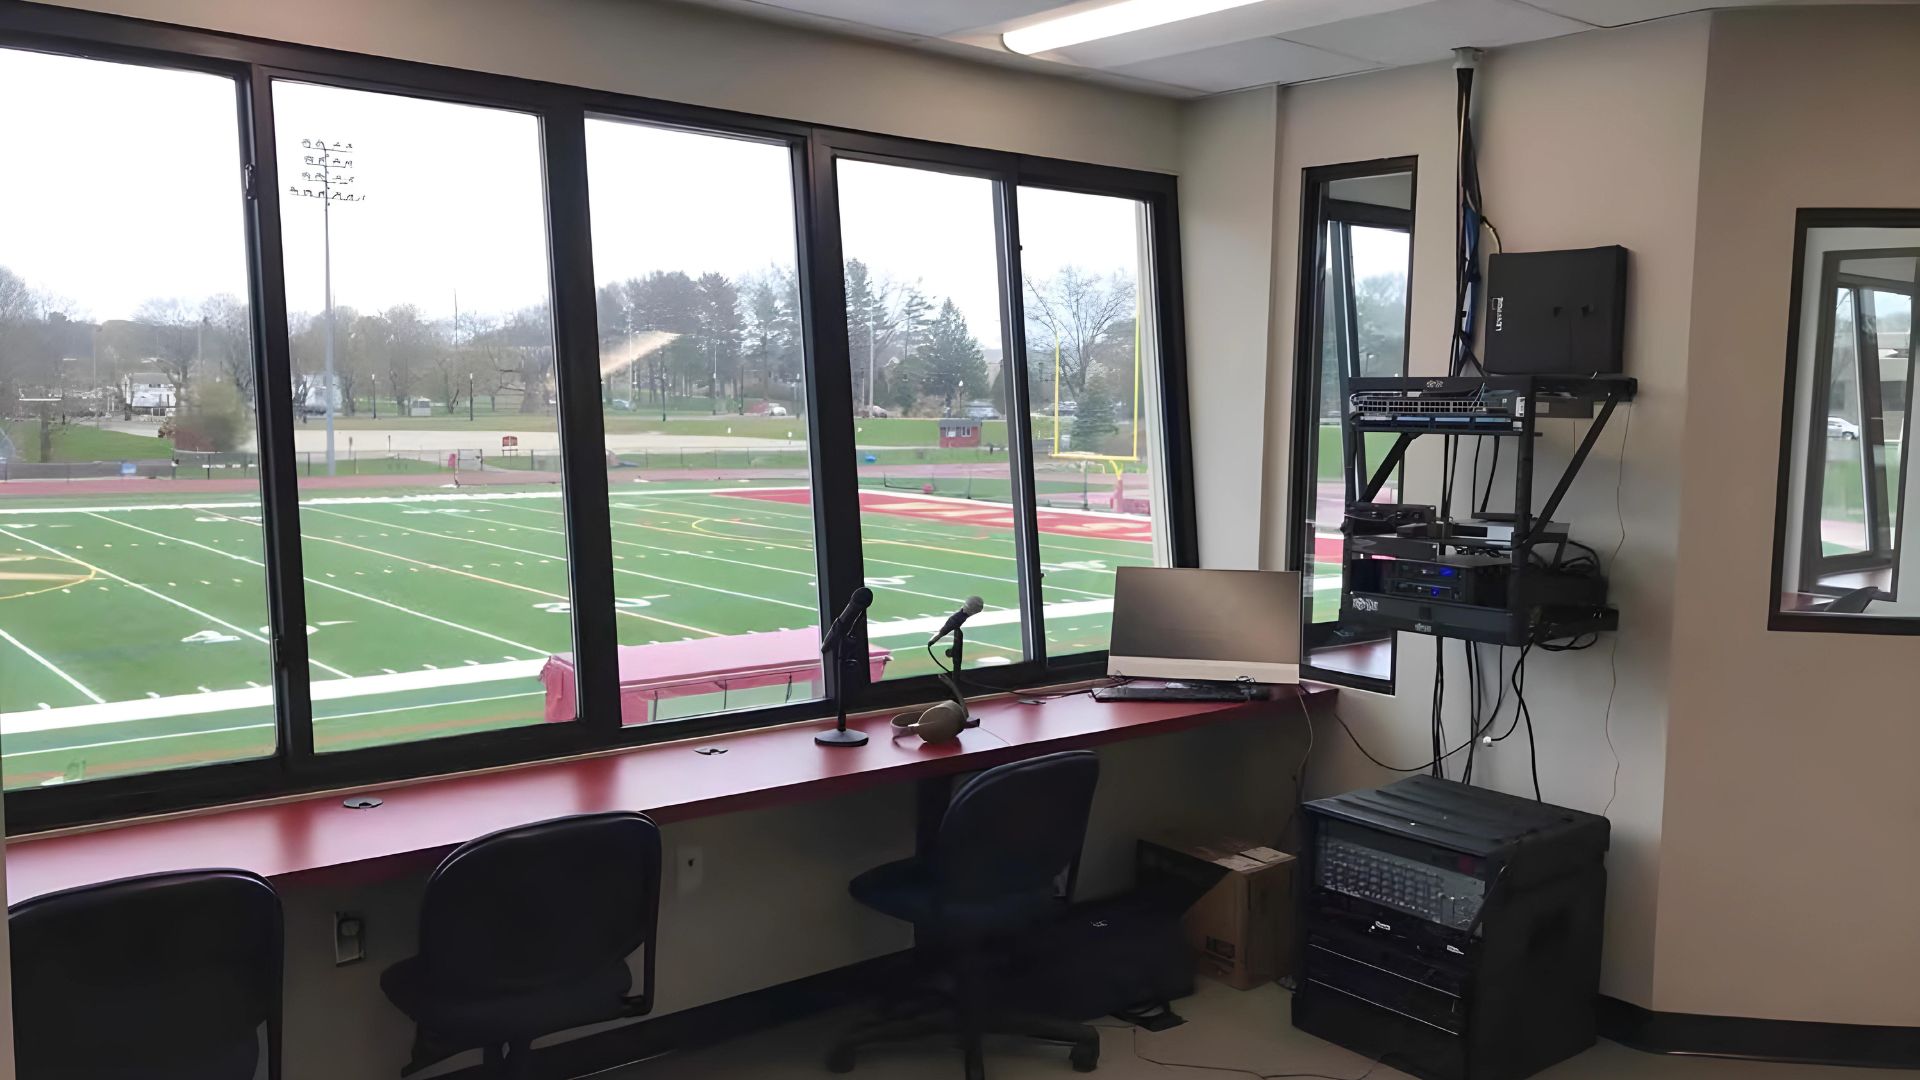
986	515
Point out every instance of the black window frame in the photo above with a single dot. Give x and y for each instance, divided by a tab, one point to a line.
1318	209
295	768
1883	522
1803	520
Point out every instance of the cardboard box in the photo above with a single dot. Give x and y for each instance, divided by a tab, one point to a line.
1240	919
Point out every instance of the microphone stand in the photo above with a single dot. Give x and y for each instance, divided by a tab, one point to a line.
840	736
951	678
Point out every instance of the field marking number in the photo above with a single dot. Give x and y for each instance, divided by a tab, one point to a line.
565	607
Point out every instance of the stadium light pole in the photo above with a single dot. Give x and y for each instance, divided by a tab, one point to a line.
328	167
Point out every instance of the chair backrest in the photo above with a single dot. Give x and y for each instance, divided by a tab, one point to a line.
1016	829
541	904
1851	603
167	976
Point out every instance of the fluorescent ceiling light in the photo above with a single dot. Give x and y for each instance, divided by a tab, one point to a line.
1114	19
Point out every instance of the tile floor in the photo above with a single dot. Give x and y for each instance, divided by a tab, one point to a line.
1225	1027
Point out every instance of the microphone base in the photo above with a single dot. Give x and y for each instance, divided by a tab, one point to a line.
838	737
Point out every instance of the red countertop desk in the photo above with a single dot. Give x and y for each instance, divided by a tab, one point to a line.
670	781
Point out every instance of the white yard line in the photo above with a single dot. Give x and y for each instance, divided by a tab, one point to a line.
16	754
809	574
53	667
336	588
926	627
115	712
257	727
901	589
870	557
542	555
104	572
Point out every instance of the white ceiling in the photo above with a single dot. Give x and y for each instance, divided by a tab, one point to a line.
1260	44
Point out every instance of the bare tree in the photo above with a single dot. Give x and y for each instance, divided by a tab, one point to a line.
227	341
173	337
1072	313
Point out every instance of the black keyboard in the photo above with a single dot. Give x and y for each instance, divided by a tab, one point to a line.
1190	692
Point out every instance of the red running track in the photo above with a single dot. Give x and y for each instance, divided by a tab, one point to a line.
989	515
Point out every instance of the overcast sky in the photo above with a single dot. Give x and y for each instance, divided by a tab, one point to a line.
124	186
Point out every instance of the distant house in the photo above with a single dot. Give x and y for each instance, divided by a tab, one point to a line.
148	392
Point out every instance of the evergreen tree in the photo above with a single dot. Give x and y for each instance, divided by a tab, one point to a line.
950	358
1094	423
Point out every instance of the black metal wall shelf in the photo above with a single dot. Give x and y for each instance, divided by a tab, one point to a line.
1540	598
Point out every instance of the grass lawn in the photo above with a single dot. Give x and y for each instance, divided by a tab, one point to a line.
84	442
132	627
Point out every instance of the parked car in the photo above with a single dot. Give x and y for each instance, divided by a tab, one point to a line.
623	404
982	410
1068	408
1842	428
766	408
873	411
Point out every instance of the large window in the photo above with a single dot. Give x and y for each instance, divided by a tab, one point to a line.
1355	268
433	534
363	420
701	357
931	393
1845	461
133	606
1093	377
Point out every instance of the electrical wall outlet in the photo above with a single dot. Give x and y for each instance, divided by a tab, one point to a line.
692	863
349	938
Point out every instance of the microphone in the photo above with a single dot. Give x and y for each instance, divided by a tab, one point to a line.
851	614
967	611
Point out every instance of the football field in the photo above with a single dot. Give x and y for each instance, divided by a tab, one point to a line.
133	627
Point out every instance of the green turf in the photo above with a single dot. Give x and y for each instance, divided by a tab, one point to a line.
84	442
160	594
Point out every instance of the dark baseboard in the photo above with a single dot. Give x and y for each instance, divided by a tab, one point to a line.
1687	1034
1796	1041
715	1022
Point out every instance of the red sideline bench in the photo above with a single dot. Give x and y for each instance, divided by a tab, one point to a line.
715	665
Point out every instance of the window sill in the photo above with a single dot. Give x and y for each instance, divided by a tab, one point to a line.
672	781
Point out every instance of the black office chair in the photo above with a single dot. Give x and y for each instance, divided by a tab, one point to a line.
165	977
1004	864
527	932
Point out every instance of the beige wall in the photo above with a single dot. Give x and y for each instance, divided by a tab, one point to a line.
704	57
1791	850
1228	146
1584	141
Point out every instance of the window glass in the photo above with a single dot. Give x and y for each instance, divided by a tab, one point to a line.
1841	553
1093	382
701	358
432	528
133	607
930	434
1364	246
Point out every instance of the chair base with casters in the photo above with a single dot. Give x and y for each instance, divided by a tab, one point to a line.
967	1027
1000	870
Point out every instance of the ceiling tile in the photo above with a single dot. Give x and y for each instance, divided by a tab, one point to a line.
1622	12
1260	62
1431	31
